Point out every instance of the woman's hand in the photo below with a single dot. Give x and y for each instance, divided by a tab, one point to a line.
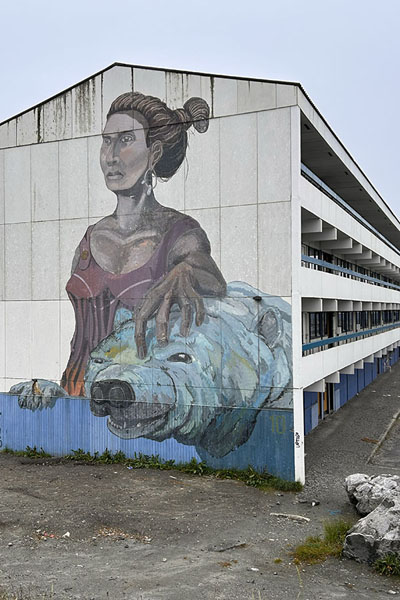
37	394
178	287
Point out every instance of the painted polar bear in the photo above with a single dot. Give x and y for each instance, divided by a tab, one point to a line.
204	390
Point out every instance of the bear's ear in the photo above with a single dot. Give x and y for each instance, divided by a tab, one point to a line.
270	327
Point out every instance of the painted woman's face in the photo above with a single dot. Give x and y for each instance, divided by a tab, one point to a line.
124	155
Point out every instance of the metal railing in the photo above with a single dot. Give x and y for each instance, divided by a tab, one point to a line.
334	341
342	270
315	180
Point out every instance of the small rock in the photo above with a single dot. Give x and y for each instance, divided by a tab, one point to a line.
10	543
164	560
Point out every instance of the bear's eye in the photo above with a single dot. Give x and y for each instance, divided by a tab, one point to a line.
98	360
180	357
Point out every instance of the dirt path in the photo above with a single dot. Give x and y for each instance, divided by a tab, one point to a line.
149	535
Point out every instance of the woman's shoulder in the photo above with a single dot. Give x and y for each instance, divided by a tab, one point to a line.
107	222
170	217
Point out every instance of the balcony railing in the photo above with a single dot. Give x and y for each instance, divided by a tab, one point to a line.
335	269
317	182
348	337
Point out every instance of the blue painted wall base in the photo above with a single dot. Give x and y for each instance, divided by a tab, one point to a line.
347	388
70	425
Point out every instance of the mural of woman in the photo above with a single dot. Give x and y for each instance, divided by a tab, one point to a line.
144	257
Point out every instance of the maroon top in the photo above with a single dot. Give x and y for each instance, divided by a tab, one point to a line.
97	294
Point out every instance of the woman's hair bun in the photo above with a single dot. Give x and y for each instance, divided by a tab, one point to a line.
165	125
197	113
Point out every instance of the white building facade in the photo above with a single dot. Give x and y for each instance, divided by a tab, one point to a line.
264	216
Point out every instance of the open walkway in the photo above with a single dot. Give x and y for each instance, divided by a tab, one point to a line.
344	441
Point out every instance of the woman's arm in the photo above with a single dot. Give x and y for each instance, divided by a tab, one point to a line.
193	249
192	275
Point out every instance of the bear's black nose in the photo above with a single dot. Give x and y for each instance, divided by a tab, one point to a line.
111	394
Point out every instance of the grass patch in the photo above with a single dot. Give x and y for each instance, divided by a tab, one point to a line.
317	549
249	476
28	453
388	565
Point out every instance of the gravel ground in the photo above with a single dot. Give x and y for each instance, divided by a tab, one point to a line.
150	535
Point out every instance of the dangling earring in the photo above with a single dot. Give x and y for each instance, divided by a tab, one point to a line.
148	180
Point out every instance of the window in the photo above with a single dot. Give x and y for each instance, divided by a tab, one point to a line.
318	325
345	321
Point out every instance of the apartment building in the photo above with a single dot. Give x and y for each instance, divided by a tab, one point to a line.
235	276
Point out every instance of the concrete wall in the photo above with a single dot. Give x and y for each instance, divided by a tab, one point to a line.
236	182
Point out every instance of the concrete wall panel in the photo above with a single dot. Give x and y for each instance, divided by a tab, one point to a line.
101	200
2	345
239	244
274	162
87	108
17	185
73	171
67	328
2	183
8	134
45	182
56	118
45	260
210	221
18	354
192	86
151	83
238	160
115	81
172	193
286	95
18	261
28	127
206	170
2	265
255	95
71	233
225	94
274	248
174	89
45	339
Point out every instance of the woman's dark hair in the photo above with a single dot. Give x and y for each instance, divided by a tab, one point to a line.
166	125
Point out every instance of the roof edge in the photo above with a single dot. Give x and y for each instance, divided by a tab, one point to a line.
203	74
121	64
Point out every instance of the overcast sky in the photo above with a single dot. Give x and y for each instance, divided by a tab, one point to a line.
345	53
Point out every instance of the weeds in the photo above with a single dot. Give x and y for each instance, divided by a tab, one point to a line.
317	549
28	453
388	565
249	476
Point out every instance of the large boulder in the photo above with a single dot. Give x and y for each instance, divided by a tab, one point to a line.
366	492
377	534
